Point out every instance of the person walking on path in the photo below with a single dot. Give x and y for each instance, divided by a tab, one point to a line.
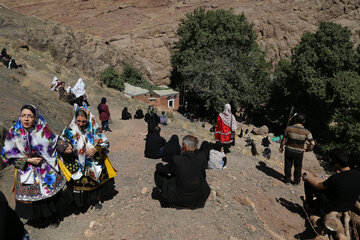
104	115
294	140
226	126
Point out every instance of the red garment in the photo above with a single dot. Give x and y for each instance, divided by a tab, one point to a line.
105	114
223	132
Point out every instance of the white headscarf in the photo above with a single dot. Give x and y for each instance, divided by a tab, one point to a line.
54	83
227	117
68	89
79	88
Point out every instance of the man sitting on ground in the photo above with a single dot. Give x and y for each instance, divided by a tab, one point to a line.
339	192
154	146
183	183
163	118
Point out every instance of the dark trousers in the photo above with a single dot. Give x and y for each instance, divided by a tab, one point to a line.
322	200
293	157
167	187
105	125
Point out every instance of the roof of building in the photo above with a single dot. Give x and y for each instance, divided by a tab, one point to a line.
133	91
166	92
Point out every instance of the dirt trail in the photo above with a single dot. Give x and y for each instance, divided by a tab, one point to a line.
248	200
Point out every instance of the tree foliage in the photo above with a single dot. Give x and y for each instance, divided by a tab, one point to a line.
323	82
134	77
129	74
217	60
112	79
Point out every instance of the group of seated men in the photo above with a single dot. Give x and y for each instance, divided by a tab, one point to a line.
139	114
181	182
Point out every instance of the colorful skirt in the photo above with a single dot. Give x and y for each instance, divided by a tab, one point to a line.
87	191
31	204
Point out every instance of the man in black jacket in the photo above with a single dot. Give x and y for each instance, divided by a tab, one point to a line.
151	118
183	182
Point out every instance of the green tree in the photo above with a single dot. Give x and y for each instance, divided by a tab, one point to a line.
217	60
323	82
277	110
134	77
112	79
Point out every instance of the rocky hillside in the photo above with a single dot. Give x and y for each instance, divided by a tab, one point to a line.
142	32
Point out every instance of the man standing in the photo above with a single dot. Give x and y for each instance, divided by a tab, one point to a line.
182	182
151	118
294	140
339	192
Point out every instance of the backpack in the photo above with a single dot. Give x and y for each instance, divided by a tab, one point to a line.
216	161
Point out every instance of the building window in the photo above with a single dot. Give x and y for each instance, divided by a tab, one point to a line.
171	103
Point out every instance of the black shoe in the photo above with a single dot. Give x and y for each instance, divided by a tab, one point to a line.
98	206
296	183
287	182
109	130
55	224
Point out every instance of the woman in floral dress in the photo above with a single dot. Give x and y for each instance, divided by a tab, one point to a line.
84	162
31	147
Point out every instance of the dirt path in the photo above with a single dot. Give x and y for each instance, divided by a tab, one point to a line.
248	200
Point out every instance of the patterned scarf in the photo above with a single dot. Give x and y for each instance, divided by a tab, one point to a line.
20	144
81	141
227	117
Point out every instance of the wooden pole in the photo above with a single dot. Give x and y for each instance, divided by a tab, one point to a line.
290	116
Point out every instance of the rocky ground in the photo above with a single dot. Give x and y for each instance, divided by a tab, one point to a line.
248	198
142	32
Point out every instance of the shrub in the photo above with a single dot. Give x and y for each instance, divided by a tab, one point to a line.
52	51
112	79
134	77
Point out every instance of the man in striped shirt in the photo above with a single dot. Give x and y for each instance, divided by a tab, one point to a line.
294	139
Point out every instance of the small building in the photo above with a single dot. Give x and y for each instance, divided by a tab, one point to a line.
136	93
167	98
164	98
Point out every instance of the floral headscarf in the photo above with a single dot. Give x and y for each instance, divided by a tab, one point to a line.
227	117
21	144
81	141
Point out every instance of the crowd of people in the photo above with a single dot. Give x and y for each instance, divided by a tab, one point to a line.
75	96
181	182
73	169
